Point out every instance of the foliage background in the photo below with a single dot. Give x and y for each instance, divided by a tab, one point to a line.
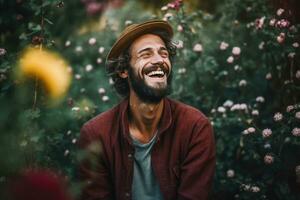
233	64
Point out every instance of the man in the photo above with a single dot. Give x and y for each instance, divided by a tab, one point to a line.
149	146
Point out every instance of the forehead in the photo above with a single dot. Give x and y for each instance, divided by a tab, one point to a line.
146	41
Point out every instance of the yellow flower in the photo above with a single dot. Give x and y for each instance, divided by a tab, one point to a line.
48	67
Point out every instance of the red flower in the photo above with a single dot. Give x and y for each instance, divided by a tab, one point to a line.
39	185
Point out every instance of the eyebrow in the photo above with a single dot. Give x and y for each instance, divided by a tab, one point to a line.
149	49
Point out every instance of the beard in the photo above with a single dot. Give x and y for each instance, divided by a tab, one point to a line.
146	93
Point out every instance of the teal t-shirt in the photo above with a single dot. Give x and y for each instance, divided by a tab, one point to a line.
144	185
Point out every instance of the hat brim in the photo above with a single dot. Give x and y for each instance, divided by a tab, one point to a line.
128	36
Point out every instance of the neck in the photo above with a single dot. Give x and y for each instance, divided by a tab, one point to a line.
144	118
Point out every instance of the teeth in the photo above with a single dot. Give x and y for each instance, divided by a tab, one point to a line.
153	73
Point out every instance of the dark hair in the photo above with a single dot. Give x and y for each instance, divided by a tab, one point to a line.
114	66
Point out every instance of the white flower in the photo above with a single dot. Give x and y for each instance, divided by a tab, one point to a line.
267	132
77	76
128	22
228	103
101	91
259	22
66	152
198	48
92	41
224	45
179	44
221	109
78	49
280	11
296	132
230	173
268	76
74	140
105	98
291	55
111	81
297	74
251	129
268	159
296	44
82	90
75	109
88	68
261	45
168	16
272	22
289	108
297	115
237	67
164	8
236	51
86	109
182	70
255	112
101	50
213	110
255	189
67	43
267	146
69	132
99	60
278	117
179	28
230	59
242	83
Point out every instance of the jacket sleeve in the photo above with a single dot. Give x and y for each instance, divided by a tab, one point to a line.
93	172
198	166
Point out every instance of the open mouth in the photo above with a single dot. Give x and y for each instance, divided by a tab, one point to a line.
156	74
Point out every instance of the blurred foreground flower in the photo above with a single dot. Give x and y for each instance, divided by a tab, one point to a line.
39	185
48	67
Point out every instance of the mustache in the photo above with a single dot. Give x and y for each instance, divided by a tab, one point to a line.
151	68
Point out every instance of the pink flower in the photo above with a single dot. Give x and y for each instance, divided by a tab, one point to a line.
179	28
289	108
236	51
94	8
297	115
260	99
255	189
283	23
296	132
259	22
268	159
198	48
278	117
230	59
267	132
2	52
296	44
175	5
224	45
268	76
281	38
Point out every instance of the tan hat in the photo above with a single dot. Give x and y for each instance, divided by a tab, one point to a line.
134	31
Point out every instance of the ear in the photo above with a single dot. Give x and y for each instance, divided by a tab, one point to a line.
123	74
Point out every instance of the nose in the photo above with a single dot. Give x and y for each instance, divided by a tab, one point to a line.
157	59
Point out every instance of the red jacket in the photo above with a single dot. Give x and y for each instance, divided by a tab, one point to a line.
183	158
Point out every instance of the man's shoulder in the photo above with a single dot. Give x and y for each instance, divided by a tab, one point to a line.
186	111
104	120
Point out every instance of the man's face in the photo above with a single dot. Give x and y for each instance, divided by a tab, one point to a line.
150	68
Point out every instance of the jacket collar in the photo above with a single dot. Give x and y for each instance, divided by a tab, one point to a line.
163	125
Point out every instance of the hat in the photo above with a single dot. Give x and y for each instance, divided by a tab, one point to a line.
133	31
